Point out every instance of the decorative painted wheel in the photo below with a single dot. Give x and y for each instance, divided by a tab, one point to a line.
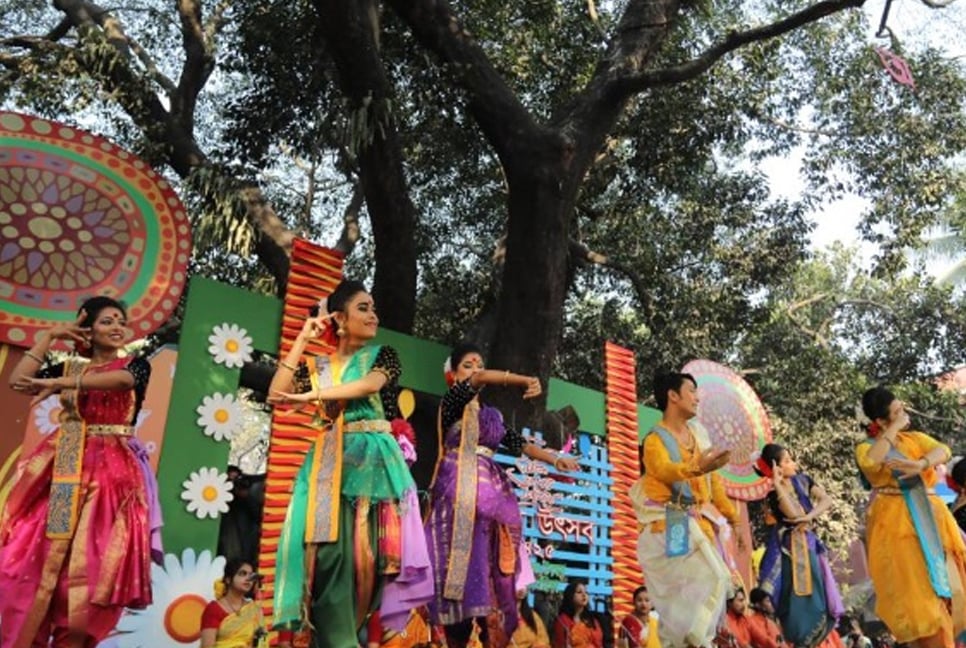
81	217
734	418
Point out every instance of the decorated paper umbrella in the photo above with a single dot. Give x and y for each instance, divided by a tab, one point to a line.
731	416
81	217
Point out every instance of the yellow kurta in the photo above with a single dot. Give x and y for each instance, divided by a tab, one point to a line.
905	600
660	472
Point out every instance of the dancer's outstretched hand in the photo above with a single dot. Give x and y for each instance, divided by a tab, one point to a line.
277	397
533	388
712	459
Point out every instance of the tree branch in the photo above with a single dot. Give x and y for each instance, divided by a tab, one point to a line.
198	64
501	115
634	83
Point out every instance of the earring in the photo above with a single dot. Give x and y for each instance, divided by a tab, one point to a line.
340	331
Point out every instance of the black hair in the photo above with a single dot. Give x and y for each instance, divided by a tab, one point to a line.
338	298
232	567
642	588
958	473
665	382
93	306
876	401
734	594
567	603
770	454
526	613
460	351
757	595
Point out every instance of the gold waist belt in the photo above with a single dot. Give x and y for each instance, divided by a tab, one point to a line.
375	425
111	430
892	490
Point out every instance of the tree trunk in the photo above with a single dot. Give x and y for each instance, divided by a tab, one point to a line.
535	274
351	29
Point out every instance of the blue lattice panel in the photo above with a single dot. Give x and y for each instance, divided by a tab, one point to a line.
567	518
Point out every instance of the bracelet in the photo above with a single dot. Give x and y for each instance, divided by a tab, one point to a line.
557	461
928	463
33	356
506	377
282	363
77	384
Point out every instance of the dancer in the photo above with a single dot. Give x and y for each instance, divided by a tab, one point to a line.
640	628
683	510
82	522
576	626
474	525
917	558
352	538
234	618
795	570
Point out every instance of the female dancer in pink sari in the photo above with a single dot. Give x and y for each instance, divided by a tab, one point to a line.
82	522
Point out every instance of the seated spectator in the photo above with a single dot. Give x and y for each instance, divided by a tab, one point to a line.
576	626
531	631
766	632
639	629
734	631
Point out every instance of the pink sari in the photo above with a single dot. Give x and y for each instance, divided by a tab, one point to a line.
69	567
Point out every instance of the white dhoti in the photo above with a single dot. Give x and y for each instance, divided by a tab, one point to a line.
689	592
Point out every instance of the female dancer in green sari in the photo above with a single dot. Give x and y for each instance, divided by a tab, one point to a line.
352	539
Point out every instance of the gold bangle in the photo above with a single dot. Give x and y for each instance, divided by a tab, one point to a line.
557	461
33	356
506	377
282	363
77	385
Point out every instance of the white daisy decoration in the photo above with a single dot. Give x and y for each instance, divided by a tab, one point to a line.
220	415
230	345
47	415
182	589
207	493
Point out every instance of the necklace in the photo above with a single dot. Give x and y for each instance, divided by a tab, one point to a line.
225	603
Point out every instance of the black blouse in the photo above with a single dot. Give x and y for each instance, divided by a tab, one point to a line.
458	397
387	362
138	367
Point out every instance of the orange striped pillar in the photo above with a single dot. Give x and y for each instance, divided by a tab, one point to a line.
314	273
622	450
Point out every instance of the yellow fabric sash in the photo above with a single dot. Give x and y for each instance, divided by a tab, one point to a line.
65	487
322	523
801	563
237	630
464	507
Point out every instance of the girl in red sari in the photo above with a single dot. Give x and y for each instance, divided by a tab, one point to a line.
576	626
82	522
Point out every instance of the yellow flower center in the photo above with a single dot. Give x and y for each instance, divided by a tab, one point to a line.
209	493
221	415
231	346
182	618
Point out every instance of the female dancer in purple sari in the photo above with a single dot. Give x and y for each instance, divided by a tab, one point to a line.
795	569
474	527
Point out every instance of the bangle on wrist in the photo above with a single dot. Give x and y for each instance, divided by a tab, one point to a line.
290	367
506	377
33	356
77	383
928	463
556	462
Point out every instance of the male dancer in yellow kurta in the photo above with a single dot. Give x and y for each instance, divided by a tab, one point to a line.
684	513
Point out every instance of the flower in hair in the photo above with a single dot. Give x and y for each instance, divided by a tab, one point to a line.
760	465
448	372
873	429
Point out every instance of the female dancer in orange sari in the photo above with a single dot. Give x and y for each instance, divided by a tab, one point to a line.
81	524
917	557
